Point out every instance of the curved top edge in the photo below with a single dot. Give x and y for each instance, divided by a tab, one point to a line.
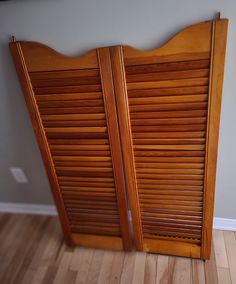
52	50
169	40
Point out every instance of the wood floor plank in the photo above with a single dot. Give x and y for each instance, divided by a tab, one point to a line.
14	226
34	240
198	273
70	277
5	219
76	259
22	247
171	268
44	258
230	244
105	272
128	268
117	266
211	269
36	260
150	269
84	266
63	268
224	276
182	270
95	266
139	268
54	241
220	250
50	274
162	269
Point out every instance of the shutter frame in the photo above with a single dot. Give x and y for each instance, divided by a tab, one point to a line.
155	138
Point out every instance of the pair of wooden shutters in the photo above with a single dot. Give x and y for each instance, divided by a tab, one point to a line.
120	128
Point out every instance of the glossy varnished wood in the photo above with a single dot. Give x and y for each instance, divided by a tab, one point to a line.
119	119
45	258
169	97
73	108
219	38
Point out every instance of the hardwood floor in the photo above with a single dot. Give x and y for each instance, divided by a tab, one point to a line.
32	251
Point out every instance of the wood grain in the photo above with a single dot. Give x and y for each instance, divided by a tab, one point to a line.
45	258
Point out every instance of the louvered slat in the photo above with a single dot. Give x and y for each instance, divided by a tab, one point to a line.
69	99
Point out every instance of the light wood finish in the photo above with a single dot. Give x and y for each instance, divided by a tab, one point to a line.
81	150
45	258
119	120
125	134
219	38
37	60
114	138
190	44
174	97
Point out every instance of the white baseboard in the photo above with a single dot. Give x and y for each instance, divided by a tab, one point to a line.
25	208
224	224
38	209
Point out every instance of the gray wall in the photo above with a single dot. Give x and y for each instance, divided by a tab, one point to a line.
73	27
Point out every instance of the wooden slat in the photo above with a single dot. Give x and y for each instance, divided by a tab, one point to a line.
81	153
139	93
77	135
149	214
164	128
180	141
170	153
179	160
171	187
75	184
169	99
170	171
174	134
75	129
74	117
169	106
161	76
71	103
83	159
78	142
66	81
67	110
166	84
164	197
170	66
89	190
168	121
169	147
83	164
67	89
175	192
73	123
69	97
64	74
176	176
85	179
168	114
80	147
169	181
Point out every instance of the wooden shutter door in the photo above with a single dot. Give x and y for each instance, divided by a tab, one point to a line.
169	102
73	112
